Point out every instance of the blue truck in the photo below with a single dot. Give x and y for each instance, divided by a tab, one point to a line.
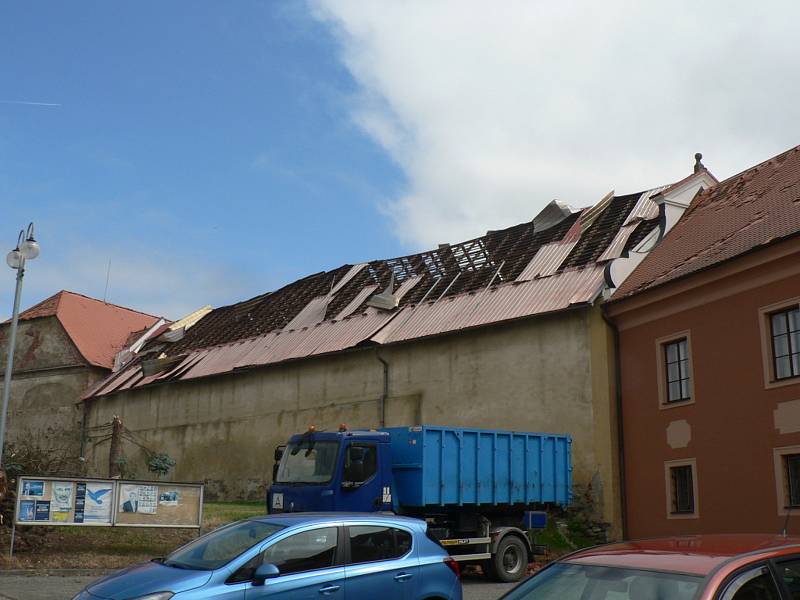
481	491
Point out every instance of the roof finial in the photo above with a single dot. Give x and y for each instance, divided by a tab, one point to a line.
698	166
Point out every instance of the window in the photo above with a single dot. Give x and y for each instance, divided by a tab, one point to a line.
682	492
676	369
681	482
756	584
787	478
785	336
789	571
306	551
308	462
360	464
792	466
675	373
370	543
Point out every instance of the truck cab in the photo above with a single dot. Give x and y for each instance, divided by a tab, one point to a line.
322	471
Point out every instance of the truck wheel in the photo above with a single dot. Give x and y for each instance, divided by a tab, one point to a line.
510	561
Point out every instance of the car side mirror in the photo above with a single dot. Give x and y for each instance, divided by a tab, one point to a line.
264	572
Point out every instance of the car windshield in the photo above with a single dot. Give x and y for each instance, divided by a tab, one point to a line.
308	462
221	546
565	581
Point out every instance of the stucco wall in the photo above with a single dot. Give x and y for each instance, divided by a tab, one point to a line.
530	375
735	422
49	378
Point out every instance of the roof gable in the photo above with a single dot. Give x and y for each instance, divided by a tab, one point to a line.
751	210
98	329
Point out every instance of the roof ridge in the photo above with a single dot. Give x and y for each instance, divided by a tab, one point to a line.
133	310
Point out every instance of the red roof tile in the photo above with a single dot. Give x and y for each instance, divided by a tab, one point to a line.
98	329
753	209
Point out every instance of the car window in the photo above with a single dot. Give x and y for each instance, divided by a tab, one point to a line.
789	571
306	551
756	584
370	543
582	582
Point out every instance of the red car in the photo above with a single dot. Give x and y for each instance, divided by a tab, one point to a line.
698	567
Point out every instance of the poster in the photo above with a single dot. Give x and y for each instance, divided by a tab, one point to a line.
60	517
169	498
62	497
33	488
27	510
141	499
97	503
80	502
42	510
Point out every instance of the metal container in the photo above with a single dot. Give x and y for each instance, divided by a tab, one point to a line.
445	466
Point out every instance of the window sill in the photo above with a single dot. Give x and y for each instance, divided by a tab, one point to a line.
676	403
777	383
691	515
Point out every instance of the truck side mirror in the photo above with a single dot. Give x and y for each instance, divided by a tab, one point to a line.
353	474
264	572
279	453
356	453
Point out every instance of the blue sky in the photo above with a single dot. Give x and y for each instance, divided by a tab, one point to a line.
205	149
216	150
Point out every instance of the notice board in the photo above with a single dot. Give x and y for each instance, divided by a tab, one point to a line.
108	502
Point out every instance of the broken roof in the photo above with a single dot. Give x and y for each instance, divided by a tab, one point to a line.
98	329
550	264
756	208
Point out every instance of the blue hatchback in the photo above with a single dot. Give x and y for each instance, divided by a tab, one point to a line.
296	557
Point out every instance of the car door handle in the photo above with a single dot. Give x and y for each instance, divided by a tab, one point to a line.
329	589
403	576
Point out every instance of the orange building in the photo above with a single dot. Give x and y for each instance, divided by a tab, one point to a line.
709	353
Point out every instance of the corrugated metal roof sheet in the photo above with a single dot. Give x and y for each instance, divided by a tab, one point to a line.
504	275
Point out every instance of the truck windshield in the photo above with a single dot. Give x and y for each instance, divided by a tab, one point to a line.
308	462
580	582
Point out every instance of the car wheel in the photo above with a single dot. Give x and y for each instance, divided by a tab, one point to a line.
510	561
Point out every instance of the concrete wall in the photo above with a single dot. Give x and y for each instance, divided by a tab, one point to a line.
49	378
532	375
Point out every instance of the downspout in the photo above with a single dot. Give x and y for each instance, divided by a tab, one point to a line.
620	432
385	392
84	433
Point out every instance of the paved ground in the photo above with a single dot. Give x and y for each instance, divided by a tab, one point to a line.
25	587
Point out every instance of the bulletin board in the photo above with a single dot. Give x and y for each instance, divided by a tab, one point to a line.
158	504
108	502
65	501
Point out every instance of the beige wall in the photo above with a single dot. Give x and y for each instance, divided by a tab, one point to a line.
534	375
49	378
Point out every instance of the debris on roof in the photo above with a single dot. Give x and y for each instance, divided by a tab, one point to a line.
549	264
756	208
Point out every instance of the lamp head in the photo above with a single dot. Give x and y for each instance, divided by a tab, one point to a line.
30	247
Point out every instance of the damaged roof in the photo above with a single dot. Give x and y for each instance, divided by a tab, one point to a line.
756	208
550	264
98	329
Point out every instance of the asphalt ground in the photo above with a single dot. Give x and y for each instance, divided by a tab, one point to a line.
56	587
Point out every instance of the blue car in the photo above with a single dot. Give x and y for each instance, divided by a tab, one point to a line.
296	557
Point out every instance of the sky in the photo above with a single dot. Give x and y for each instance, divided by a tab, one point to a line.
209	152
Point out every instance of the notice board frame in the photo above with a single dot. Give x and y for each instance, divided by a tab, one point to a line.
116	485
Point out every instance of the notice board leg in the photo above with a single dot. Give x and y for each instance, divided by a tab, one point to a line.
13	535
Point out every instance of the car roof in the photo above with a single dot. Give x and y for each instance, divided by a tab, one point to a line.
693	554
293	519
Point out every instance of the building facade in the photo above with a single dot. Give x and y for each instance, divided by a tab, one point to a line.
709	342
65	344
502	331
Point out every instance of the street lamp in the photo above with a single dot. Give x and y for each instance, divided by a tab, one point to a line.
27	249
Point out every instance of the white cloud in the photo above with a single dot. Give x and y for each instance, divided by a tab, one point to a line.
494	108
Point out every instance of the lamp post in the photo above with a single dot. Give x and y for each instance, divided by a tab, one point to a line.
27	249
